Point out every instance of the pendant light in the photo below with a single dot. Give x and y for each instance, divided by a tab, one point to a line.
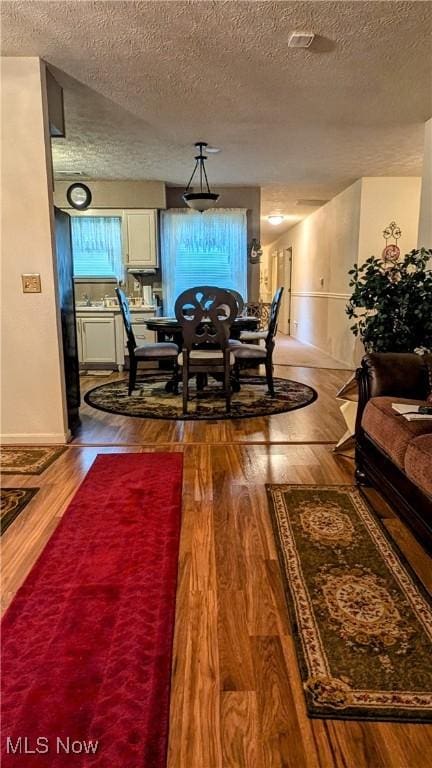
202	200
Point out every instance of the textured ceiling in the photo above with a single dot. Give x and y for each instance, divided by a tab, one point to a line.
144	80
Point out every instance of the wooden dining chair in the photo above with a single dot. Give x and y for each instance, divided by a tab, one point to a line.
239	299
249	355
146	352
205	314
261	311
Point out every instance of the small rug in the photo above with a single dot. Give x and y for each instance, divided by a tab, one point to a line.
28	461
362	622
96	372
12	502
87	640
150	400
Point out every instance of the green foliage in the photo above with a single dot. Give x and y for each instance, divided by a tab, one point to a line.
392	304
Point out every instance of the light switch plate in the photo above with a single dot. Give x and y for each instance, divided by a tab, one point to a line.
31	283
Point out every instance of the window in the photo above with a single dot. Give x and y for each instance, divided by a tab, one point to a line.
97	246
203	249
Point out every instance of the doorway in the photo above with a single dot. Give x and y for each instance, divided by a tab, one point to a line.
281	275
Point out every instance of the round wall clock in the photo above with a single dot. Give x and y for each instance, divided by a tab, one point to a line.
79	196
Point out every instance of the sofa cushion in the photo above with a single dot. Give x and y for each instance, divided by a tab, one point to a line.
418	462
389	430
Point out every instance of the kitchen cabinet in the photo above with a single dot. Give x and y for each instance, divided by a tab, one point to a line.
140	232
101	338
96	339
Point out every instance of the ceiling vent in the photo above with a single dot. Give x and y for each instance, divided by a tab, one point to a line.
300	39
311	203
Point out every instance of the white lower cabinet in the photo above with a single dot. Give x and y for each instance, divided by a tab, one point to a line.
96	337
101	338
98	340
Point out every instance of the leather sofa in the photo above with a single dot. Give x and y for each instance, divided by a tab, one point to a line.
394	454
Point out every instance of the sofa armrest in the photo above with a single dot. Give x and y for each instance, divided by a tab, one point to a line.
397	374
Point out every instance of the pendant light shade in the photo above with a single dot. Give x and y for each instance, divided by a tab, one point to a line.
200	201
205	198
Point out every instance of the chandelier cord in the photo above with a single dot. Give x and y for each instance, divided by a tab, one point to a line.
205	176
200	159
193	174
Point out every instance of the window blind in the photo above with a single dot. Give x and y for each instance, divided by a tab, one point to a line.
97	246
203	249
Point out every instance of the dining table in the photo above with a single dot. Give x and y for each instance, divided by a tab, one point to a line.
169	328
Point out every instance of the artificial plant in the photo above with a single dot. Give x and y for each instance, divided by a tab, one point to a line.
391	303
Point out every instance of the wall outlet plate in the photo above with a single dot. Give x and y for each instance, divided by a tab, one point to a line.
31	283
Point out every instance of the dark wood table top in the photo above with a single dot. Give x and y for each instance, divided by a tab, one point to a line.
171	324
169	328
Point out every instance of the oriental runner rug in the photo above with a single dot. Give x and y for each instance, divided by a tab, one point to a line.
87	640
28	460
362	622
12	502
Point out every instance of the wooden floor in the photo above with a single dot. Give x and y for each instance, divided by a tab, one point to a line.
289	351
236	692
320	422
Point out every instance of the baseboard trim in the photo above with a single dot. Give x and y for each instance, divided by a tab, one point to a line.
321	295
38	438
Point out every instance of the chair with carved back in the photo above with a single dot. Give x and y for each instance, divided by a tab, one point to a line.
260	310
145	353
249	355
239	299
205	314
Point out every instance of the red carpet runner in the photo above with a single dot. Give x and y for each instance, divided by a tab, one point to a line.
87	641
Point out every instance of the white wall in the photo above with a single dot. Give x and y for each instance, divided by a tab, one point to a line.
325	246
116	194
383	200
33	404
425	221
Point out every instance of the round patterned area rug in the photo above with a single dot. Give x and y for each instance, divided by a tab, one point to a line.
150	400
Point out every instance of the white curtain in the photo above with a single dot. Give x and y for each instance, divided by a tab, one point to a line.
97	246
203	249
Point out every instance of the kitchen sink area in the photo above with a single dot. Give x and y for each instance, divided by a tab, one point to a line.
114	247
101	307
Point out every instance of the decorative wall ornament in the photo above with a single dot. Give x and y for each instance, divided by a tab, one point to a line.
391	251
255	252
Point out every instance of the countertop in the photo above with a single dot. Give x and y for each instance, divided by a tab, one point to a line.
99	308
